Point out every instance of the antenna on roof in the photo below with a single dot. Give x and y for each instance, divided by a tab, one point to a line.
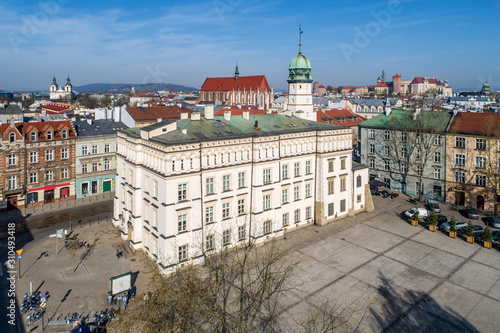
300	38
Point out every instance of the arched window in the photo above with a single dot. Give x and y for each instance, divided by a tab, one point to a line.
358	181
12	138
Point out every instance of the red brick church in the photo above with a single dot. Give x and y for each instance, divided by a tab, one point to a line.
237	90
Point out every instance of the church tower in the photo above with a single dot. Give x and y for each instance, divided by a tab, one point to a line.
53	86
300	100
68	87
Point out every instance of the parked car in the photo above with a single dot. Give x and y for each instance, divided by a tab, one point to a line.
495	236
458	225
469	213
440	218
432	206
422	212
478	230
493	221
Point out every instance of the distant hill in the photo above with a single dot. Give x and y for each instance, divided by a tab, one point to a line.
103	88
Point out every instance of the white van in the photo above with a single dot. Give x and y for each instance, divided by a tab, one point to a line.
422	212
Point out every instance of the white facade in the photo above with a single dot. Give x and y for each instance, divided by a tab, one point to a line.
300	100
175	198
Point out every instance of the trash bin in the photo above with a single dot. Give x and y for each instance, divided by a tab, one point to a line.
110	299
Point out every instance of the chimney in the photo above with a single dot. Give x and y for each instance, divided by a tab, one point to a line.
184	115
256	124
195	116
89	121
158	120
184	131
246	115
209	112
227	115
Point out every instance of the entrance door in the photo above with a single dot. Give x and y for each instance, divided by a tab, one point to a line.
49	196
94	186
480	202
12	202
437	191
106	186
460	198
403	188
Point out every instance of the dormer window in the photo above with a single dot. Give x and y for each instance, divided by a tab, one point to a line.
65	134
33	136
12	138
49	135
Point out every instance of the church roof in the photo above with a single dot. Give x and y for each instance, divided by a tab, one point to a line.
241	83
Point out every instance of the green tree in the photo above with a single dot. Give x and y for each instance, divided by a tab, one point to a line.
105	102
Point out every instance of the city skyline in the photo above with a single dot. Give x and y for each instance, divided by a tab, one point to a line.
348	43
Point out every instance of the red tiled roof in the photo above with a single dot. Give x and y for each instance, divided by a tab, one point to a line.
341	117
42	126
241	83
476	123
420	79
157	111
381	85
56	108
238	112
321	86
396	75
146	95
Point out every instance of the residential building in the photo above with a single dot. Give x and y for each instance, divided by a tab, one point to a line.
406	151
473	147
187	187
95	156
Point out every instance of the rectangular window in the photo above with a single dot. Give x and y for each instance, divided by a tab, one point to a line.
12	182
330	209
266	202
371	134
331	184
225	210
94	166
308	167
64	153
460	159
372	163
437	157
480	162
209	214
226	183
106	148
308	190
342	205
155	189
182	192
94	149
209	186
12	159
226	237
84	168
387	166
33	136
64	173
459	142
33	177
404	152
241	233
49	135
481	180
209	242
372	148
267	176
284	196
437	173
296	216
241	206
183	253
358	198
480	144
85	150
330	165
267	227
155	217
296	169
387	135
343	164
437	140
404	137
284	171
296	193
49	155
386	150
343	184
460	177
284	219
182	223
308	212
49	175
241	179
418	169
107	165
33	157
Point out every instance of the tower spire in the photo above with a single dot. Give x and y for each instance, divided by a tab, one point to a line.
236	72
300	38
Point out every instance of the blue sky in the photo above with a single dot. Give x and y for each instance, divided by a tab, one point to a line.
348	42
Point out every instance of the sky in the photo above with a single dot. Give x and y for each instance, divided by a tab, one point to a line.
349	42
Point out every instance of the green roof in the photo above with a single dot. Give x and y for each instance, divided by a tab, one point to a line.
299	69
238	127
403	120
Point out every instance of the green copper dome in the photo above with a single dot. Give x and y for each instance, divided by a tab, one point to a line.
299	69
